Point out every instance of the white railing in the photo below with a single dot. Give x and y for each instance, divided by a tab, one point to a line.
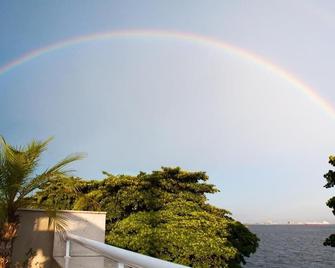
122	256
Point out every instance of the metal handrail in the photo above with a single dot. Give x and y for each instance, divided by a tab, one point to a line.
123	256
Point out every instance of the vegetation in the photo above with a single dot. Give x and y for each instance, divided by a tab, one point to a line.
18	179
163	214
330	177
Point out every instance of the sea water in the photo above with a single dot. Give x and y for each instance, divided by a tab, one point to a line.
284	246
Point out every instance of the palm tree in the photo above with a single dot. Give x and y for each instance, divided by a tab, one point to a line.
18	179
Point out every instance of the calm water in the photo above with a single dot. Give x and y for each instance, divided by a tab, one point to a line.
295	246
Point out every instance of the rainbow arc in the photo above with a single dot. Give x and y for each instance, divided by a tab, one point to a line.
190	37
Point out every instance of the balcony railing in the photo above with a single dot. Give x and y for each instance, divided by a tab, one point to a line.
122	257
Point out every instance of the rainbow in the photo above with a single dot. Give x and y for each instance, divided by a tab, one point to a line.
191	37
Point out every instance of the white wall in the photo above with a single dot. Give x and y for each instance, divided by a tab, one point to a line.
34	232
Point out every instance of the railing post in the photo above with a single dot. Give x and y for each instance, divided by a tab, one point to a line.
68	248
120	265
67	263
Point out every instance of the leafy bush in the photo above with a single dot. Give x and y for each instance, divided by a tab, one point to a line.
163	214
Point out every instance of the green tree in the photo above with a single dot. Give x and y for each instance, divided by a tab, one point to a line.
330	177
19	179
164	214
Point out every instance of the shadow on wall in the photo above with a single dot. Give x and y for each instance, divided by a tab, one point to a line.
36	234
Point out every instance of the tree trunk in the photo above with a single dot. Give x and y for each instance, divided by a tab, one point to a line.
7	235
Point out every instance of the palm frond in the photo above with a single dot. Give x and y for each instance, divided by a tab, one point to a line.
52	173
17	166
59	167
18	172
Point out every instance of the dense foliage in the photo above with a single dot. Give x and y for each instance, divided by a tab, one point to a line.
162	214
330	177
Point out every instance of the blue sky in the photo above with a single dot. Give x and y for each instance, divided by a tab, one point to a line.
139	103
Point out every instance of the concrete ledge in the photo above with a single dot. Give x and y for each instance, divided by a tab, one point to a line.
64	211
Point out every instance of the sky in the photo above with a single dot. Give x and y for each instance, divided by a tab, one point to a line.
141	101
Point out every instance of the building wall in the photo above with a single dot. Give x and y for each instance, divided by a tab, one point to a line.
88	224
37	234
